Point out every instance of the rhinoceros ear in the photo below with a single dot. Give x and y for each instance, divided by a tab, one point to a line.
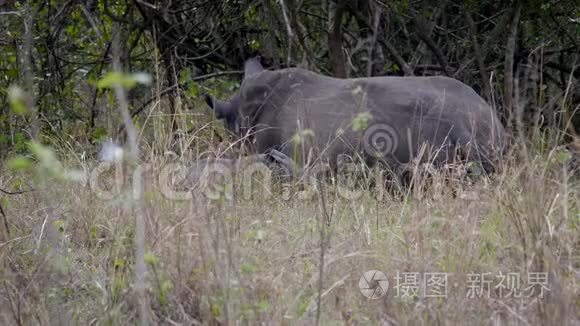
222	109
252	67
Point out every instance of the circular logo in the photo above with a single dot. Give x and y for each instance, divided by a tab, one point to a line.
380	140
373	284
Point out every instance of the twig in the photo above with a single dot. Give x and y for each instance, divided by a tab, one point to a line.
569	70
147	4
495	34
4	244
140	268
373	41
332	287
423	33
217	74
16	13
96	92
153	98
15	310
5	219
169	89
2	212
398	58
28	68
288	30
41	234
478	54
403	65
91	20
15	192
324	237
512	312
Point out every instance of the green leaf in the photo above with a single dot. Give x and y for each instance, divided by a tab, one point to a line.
395	67
247	268
113	79
193	90
4	202
300	136
12	73
100	134
119	263
254	44
128	81
563	157
43	153
4	139
184	76
19	163
263	305
60	225
150	259
361	121
20	142
260	235
166	286
48	162
16	99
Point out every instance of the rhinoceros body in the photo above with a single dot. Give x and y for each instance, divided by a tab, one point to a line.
390	119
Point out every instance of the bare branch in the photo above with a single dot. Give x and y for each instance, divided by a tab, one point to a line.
140	268
5	219
494	35
15	192
509	61
398	58
560	67
28	69
478	55
3	213
423	33
288	31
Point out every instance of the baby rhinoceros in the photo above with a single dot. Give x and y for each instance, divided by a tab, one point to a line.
222	178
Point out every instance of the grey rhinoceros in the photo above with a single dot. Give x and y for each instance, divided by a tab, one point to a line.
388	119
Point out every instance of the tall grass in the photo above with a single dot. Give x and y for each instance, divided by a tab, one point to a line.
69	256
284	254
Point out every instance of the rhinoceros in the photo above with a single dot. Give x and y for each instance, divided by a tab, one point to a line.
391	119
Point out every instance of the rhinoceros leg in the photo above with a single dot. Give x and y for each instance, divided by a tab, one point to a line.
288	166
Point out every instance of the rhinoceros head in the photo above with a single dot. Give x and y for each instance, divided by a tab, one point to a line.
229	110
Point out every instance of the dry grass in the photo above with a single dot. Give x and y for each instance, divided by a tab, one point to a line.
69	256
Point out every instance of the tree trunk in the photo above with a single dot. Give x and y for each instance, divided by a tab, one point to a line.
478	56
509	62
336	54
